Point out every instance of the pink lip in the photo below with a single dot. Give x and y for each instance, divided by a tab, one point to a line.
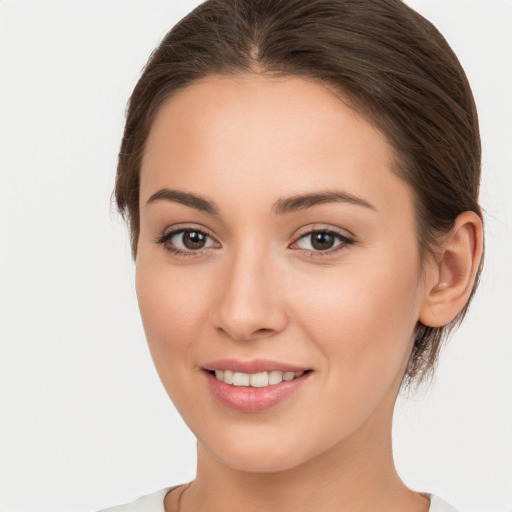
252	366
249	399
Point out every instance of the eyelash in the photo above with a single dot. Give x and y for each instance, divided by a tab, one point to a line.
166	237
343	240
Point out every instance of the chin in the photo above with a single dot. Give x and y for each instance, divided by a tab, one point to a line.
263	451
260	461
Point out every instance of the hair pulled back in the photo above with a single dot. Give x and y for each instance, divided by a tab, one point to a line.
390	63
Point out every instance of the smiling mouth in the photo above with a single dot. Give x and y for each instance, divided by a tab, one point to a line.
255	380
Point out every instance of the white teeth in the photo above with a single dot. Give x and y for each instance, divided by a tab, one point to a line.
241	379
255	380
259	380
275	377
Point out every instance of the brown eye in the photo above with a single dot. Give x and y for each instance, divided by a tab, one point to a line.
186	241
322	241
193	239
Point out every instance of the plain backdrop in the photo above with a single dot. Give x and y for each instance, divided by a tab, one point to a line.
84	420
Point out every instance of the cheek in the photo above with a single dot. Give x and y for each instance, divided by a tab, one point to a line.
170	307
173	313
363	327
363	317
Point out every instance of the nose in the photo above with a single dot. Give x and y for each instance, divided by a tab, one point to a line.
251	301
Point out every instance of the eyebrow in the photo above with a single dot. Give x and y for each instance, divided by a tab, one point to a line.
280	207
303	202
186	198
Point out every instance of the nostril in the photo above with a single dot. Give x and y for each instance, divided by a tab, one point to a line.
237	336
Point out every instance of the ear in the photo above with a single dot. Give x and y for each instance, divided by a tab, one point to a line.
451	275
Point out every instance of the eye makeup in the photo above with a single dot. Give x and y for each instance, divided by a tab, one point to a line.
194	242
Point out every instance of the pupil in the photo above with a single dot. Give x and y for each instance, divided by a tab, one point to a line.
193	240
322	241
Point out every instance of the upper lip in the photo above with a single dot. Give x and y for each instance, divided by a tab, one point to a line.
252	366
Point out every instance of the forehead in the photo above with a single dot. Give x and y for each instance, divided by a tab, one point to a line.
243	136
262	110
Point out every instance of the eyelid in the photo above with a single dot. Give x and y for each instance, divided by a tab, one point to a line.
184	227
319	227
344	238
172	231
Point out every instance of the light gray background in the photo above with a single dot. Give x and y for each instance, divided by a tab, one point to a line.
84	420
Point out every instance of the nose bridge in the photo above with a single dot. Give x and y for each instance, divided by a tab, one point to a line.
250	304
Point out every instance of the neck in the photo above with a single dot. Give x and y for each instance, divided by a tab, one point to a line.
357	475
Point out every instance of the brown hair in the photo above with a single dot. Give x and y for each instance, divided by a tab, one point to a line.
387	60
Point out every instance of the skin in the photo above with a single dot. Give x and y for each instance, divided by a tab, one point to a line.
259	290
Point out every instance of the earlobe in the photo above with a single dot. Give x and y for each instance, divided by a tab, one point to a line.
452	276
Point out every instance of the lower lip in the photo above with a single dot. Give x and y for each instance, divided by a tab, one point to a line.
249	399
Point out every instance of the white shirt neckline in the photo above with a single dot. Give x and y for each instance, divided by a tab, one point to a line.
155	503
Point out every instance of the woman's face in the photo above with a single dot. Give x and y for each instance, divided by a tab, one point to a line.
275	237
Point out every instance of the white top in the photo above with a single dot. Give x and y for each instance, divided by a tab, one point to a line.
155	503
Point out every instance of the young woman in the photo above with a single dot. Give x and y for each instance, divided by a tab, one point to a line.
301	180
